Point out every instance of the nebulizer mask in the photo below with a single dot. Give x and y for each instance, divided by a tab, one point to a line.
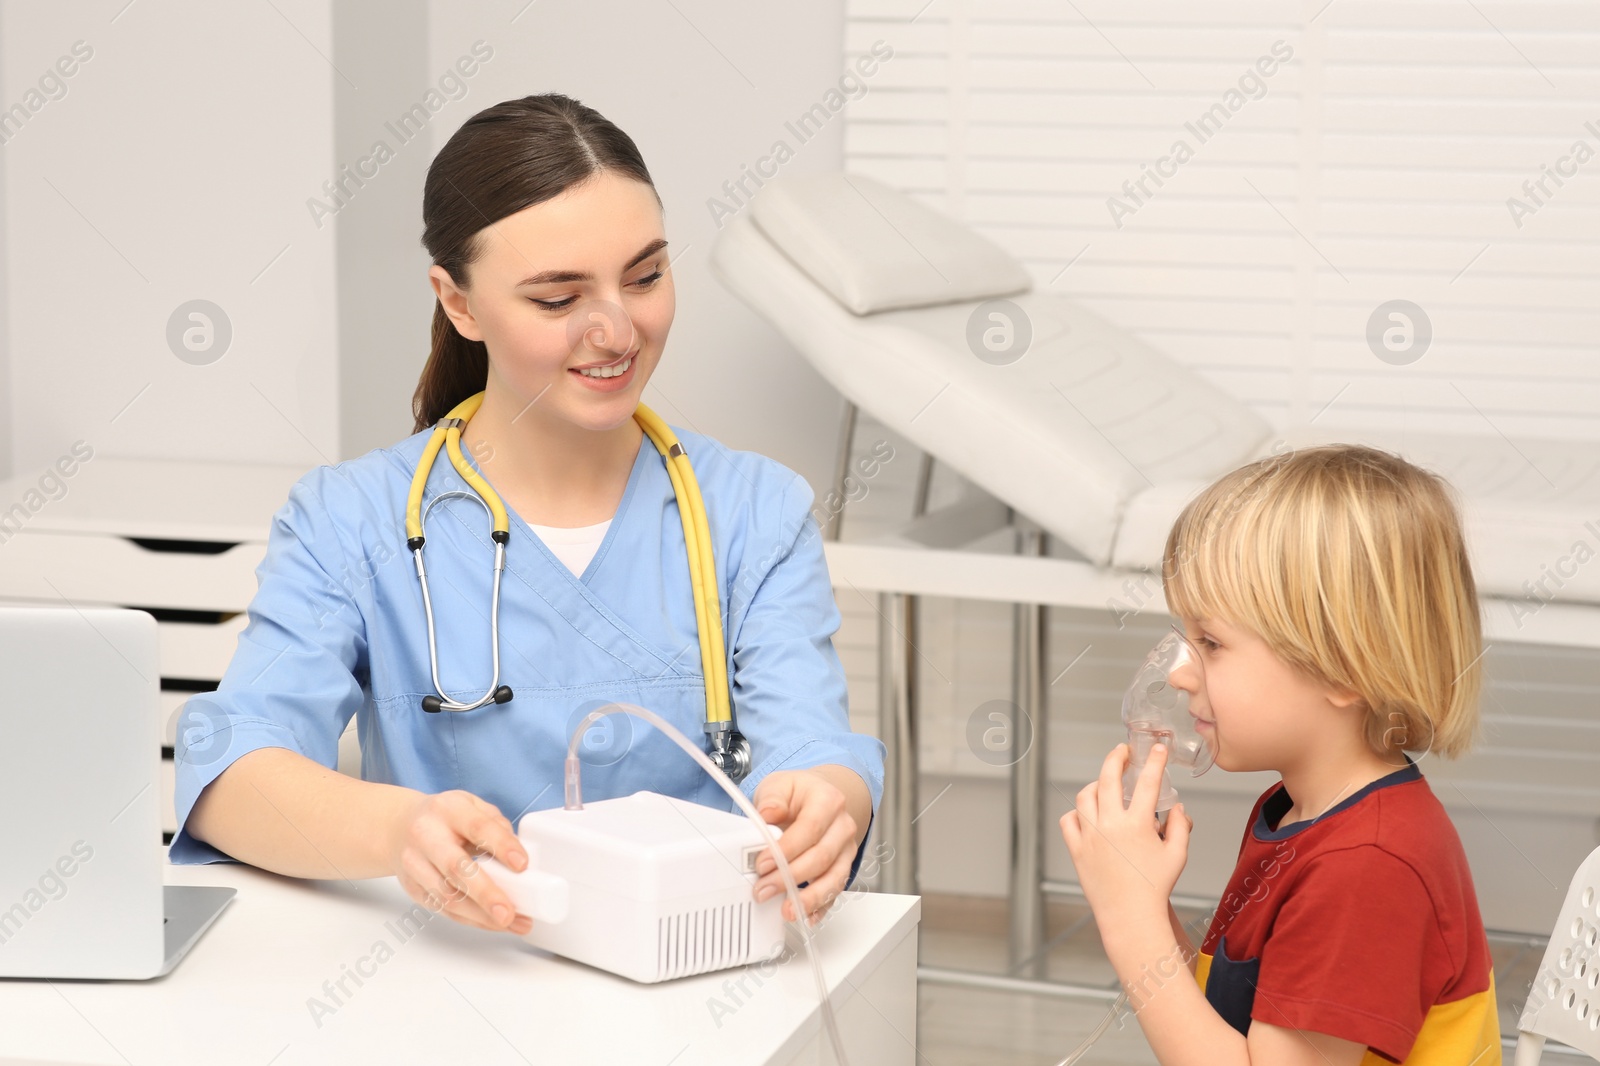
1161	706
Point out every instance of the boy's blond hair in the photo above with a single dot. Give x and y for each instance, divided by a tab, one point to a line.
1350	564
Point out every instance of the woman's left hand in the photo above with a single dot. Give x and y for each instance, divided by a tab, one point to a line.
1125	866
819	840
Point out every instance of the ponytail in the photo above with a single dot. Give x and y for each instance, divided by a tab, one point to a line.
456	368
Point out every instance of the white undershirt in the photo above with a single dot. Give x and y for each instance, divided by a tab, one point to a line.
574	545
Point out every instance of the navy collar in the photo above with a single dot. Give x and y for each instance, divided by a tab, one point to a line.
1278	804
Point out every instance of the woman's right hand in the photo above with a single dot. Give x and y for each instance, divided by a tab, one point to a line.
432	848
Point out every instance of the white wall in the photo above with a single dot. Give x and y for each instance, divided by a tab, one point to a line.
385	303
179	165
174	168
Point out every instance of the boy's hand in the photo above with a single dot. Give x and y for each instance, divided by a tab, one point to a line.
1126	868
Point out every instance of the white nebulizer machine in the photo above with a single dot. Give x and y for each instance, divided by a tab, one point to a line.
651	887
1161	706
647	886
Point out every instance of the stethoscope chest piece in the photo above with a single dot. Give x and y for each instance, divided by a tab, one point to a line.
728	750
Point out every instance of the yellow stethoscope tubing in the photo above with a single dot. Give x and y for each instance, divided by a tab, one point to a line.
697	542
447	432
691	511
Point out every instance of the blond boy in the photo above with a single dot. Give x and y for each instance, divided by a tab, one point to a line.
1329	596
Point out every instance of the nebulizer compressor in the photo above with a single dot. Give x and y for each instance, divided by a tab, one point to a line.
651	887
1161	706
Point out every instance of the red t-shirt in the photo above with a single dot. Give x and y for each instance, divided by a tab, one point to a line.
1361	923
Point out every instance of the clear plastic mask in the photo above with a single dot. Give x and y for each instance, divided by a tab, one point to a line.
1156	708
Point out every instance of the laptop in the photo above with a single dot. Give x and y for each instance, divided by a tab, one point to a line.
80	823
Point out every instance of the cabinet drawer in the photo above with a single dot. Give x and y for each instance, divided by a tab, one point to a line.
169	802
171	704
104	569
197	649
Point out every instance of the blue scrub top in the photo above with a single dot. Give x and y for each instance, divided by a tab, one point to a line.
336	628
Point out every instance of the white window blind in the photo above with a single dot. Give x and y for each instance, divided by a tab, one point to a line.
1375	164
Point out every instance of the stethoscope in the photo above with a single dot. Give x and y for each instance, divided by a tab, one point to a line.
728	749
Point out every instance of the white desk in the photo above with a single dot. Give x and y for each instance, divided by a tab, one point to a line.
451	993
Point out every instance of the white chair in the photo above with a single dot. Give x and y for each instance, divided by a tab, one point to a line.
1564	1002
1092	434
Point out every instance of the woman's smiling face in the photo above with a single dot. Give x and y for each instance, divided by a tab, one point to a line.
580	281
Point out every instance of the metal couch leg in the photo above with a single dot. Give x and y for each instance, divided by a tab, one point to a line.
897	727
841	470
1028	774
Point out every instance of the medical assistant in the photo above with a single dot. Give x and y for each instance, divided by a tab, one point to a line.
336	628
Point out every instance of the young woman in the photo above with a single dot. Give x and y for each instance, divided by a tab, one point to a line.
555	298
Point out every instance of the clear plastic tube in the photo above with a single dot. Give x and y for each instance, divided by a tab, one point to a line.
574	802
1117	1005
1099	1031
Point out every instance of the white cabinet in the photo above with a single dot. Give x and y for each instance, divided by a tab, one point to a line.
180	540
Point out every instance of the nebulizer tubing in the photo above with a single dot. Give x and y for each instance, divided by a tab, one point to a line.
574	802
1112	1012
1156	708
1099	1030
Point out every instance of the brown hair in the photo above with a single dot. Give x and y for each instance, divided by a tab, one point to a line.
505	158
1350	564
